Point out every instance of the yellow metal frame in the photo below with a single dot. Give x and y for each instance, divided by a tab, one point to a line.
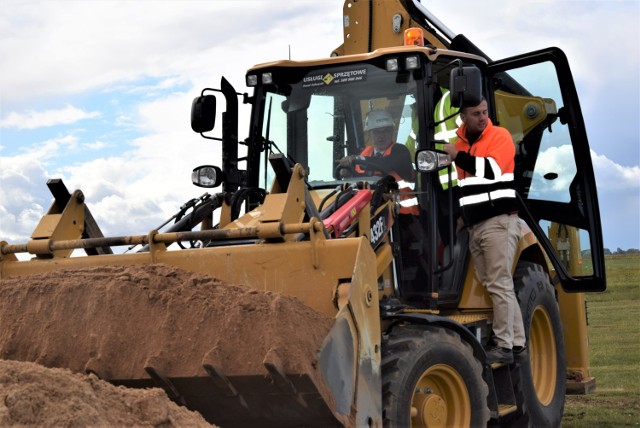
573	312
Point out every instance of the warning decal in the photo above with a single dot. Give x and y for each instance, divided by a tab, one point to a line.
336	78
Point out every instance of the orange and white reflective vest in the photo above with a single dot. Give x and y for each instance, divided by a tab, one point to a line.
408	200
485	174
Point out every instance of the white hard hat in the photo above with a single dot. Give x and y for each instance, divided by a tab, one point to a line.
377	119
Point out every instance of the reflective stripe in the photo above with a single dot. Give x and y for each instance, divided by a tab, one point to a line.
482	162
485	197
445	134
406	197
446	130
442	130
472	181
406	184
444	178
412	202
442	100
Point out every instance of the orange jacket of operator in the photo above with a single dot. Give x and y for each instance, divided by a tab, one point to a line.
485	174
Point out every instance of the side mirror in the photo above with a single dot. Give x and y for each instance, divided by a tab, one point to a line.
206	176
465	85
203	113
432	160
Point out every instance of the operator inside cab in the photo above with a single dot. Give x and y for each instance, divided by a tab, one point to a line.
384	155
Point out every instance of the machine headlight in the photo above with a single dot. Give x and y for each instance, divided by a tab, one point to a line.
431	160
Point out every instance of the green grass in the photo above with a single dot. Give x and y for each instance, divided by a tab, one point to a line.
614	338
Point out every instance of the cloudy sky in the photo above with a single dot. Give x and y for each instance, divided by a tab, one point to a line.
98	92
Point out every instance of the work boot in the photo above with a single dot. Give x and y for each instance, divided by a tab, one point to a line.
520	353
499	355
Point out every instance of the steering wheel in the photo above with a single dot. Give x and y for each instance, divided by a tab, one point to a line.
368	164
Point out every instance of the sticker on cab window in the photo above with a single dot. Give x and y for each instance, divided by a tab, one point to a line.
335	78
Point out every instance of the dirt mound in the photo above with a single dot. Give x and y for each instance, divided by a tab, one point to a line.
32	395
115	321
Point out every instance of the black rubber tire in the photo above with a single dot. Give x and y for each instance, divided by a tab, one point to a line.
432	368
540	380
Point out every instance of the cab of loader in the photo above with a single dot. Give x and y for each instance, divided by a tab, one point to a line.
312	113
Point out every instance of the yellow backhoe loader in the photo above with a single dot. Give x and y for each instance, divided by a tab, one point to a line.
410	317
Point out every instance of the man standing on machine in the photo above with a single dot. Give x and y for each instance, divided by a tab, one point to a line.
484	156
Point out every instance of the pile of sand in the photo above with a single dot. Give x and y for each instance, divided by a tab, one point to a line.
116	320
32	395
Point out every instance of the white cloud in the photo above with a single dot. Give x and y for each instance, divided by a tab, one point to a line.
558	161
32	119
43	152
64	47
97	145
148	183
164	84
167	114
24	197
612	176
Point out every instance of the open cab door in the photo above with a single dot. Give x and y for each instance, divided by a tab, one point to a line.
535	98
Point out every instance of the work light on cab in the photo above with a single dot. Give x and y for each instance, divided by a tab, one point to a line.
252	80
267	78
411	62
264	78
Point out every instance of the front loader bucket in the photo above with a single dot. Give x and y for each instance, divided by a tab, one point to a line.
275	353
242	401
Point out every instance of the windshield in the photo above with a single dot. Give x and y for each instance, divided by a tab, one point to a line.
317	116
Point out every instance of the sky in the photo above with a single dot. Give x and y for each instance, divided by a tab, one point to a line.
99	92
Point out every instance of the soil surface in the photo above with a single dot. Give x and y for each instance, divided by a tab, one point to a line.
32	395
115	321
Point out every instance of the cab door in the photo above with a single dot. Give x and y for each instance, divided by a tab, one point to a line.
534	96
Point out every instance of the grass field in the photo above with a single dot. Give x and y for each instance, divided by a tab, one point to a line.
614	337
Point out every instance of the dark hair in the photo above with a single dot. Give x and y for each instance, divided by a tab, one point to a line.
467	104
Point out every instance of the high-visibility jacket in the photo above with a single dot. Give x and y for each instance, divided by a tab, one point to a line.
445	130
407	199
485	174
447	121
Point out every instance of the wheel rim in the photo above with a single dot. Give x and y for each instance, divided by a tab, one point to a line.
544	364
440	399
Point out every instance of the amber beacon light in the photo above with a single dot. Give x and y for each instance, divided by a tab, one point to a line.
413	37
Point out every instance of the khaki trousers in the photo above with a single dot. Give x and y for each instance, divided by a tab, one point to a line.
493	244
